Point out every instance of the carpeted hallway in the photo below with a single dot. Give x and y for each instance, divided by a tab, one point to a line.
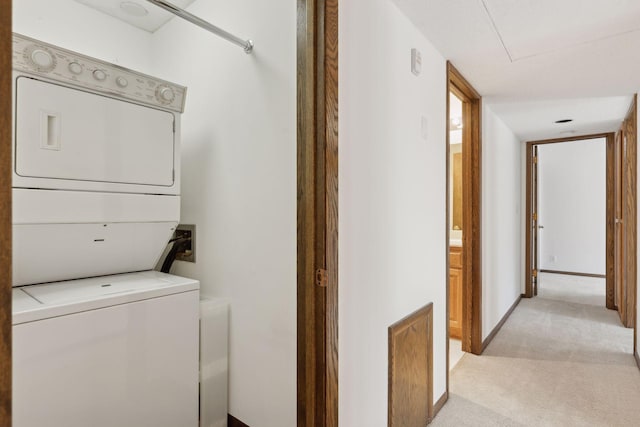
562	359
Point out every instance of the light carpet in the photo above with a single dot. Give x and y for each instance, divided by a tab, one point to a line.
561	359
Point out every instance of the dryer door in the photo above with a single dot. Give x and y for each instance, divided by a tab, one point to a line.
68	134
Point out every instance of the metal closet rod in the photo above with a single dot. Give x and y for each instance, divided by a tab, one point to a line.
247	45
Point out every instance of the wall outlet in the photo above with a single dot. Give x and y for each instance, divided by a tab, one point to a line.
187	231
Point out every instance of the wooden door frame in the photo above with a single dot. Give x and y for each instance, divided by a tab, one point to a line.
471	213
630	172
610	206
5	211
317	180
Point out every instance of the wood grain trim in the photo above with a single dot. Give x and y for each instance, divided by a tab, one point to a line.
501	323
472	211
571	273
317	182
629	184
5	212
410	381
611	226
440	404
331	118
447	222
528	218
571	138
234	422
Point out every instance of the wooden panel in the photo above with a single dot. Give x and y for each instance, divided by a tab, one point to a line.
317	133
455	303
471	211
5	212
455	257
457	191
411	370
455	292
611	226
629	166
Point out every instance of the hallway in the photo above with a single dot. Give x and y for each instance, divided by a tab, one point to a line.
561	359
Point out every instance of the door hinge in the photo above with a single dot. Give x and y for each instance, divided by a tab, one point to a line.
322	278
535	160
534	273
535	216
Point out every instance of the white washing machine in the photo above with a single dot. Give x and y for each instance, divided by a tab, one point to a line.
108	351
99	338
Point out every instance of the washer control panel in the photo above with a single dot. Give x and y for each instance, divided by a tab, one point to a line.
36	57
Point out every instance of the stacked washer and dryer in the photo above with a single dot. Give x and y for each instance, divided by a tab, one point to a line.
99	337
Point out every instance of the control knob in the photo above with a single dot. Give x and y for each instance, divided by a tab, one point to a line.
40	58
99	75
122	82
75	68
165	94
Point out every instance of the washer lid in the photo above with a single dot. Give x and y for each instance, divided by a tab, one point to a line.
63	298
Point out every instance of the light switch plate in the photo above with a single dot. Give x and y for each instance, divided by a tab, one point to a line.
424	128
416	61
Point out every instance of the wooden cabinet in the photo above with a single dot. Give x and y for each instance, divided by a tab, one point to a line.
455	292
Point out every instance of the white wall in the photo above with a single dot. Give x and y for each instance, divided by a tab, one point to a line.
501	219
392	199
572	197
76	27
239	188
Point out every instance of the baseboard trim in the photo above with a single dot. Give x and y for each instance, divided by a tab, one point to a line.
637	356
571	273
495	330
439	404
234	422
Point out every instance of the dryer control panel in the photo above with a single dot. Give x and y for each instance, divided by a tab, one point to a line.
36	57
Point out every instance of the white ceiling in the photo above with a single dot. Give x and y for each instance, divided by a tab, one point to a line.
517	52
535	120
155	17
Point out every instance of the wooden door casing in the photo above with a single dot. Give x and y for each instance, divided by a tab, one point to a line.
627	305
619	226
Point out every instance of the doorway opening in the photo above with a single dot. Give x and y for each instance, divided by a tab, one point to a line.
463	242
578	238
581	220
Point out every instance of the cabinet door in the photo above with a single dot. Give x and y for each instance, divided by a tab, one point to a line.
455	303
